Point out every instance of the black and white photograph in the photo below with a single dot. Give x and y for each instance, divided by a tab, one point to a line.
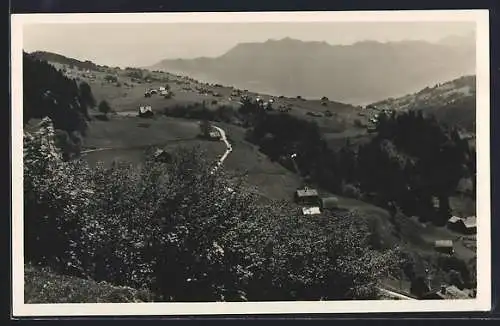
250	163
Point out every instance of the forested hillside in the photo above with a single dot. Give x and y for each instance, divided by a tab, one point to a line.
452	102
47	92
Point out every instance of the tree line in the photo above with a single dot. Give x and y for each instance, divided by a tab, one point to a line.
47	92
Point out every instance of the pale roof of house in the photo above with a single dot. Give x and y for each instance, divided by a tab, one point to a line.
443	243
454	219
311	210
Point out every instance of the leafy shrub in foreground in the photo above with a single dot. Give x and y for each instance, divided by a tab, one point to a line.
185	233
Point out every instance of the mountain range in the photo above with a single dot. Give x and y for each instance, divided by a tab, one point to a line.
361	73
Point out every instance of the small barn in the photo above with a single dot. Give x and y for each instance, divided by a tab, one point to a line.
214	135
307	196
328	203
311	210
444	246
455	223
470	225
463	225
145	111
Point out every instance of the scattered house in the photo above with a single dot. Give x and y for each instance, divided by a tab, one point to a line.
145	111
470	224
213	134
464	225
444	246
161	89
307	196
311	210
164	92
447	292
454	220
327	203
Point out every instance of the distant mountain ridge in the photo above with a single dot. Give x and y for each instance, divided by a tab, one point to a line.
360	73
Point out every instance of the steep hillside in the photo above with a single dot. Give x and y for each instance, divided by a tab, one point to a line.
453	102
359	73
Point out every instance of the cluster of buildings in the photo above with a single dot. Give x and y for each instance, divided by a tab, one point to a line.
464	225
163	91
312	203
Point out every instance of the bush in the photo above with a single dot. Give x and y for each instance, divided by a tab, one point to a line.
358	123
457	269
352	191
104	107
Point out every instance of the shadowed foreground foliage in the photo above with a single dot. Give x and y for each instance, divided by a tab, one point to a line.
186	234
43	286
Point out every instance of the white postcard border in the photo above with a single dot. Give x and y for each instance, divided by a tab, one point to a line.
483	299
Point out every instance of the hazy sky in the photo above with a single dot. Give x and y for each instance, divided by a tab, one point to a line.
145	44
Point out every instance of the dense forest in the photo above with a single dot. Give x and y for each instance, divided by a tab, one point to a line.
47	92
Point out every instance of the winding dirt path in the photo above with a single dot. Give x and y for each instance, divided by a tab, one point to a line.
229	148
